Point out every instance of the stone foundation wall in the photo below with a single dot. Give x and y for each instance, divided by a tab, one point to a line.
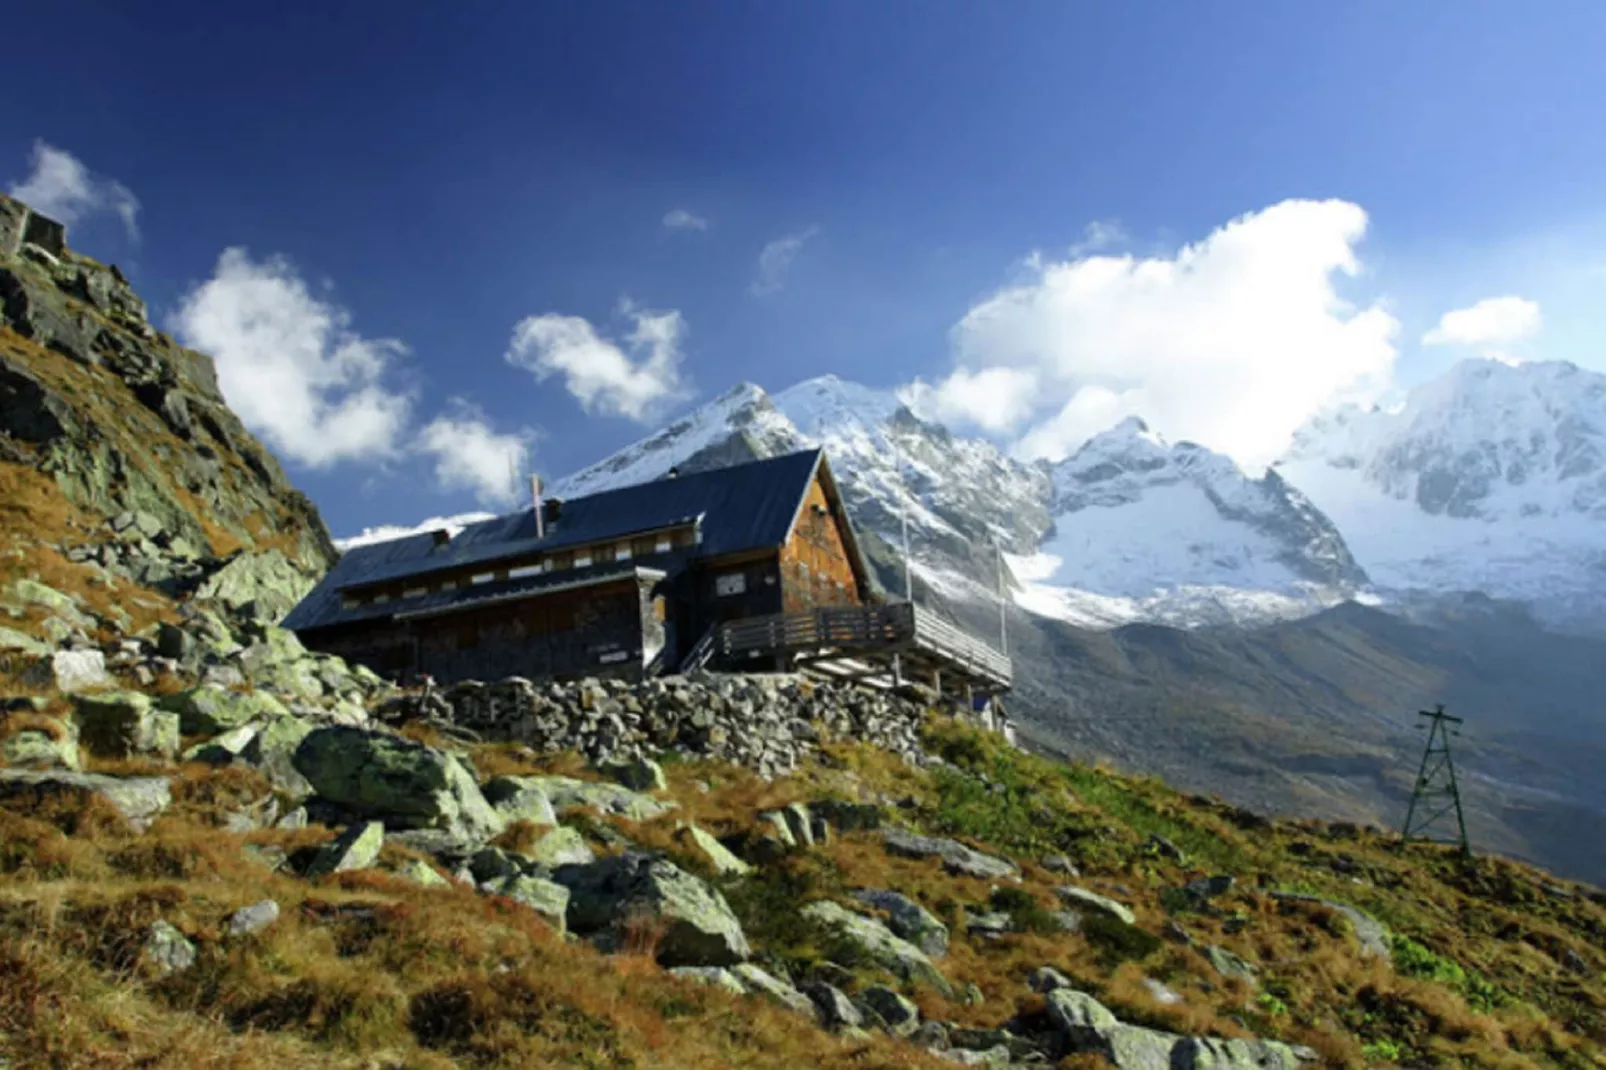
767	722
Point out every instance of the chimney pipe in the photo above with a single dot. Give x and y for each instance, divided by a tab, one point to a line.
535	503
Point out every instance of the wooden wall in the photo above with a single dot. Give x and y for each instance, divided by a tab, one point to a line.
815	567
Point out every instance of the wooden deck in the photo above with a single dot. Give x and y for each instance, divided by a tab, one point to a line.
886	642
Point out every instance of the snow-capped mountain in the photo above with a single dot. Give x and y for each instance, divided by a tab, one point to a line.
1147	530
1129	529
1491	478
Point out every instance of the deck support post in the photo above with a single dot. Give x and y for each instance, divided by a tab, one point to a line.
897	670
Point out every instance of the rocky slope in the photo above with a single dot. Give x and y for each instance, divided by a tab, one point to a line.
105	417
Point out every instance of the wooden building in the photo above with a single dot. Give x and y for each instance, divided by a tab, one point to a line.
660	576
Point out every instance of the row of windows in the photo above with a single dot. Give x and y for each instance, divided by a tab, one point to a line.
581	558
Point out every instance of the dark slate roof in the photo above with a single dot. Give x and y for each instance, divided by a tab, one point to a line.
744	507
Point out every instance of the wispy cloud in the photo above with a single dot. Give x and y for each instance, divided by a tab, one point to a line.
1231	342
682	219
776	259
61	187
1488	325
634	377
471	455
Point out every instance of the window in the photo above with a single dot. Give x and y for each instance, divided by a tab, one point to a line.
381	599
730	583
662	545
350	601
524	570
482	577
623	552
414	592
449	585
582	559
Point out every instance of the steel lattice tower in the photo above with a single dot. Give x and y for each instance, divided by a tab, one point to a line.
1435	781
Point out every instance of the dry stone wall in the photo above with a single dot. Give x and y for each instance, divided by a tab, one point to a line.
769	722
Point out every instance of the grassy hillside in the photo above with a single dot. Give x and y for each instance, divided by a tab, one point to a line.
1490	964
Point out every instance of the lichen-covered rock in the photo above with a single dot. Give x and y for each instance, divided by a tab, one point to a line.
272	753
166	951
1228	964
42	744
417	871
515	801
760	983
138	799
877	944
562	846
1047	979
13	640
568	793
835	1009
1086	1025
610	894
1371	934
714	976
223	749
254	918
715	854
908	919
956	857
406	784
547	898
898	1014
267	584
126	724
356	848
208	710
1083	899
637	774
71	671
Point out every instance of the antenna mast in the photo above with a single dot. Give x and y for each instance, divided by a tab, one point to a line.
903	516
1435	780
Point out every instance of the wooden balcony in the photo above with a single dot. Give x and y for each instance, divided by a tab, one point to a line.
884	643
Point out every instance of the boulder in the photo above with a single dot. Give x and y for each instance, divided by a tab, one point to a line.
356	848
42	743
908	919
1047	979
1086	1025
209	709
1082	899
711	851
833	1008
637	774
996	1057
715	976
1228	964
138	799
875	943
221	750
1371	934
13	640
759	983
417	871
513	802
849	816
166	951
254	918
405	783
272	753
799	823
546	898
898	1014
562	846
126	724
955	856
568	793
71	671
266	582
1061	864
698	928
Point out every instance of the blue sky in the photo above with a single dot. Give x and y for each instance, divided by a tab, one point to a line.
475	183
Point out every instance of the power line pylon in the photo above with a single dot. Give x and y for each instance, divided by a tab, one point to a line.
1435	781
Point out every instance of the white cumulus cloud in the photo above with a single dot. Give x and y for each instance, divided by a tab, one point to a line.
682	219
61	187
1494	321
633	377
994	399
470	454
1231	342
775	260
290	365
